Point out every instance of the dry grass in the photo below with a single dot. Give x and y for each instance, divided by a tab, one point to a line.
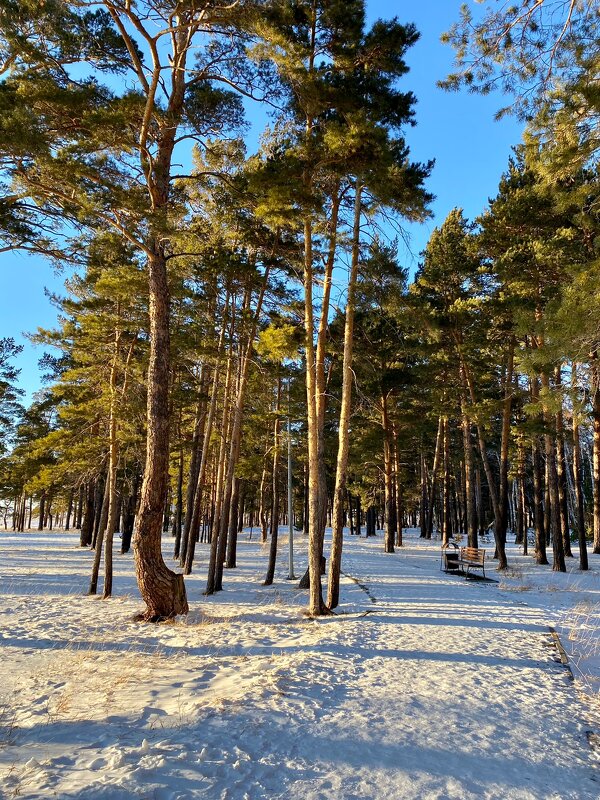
8	723
512	580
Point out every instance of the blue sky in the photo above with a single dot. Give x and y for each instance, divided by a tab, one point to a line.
471	151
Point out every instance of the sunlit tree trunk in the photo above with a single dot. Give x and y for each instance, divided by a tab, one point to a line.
397	486
196	516
470	520
578	480
434	473
341	474
504	444
595	391
558	563
274	493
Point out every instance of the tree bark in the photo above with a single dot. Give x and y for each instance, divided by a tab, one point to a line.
434	473
341	472
470	520
397	486
595	391
274	494
69	510
130	512
221	466
390	511
578	479
178	516
236	429
446	523
316	606
236	522
111	482
85	537
561	471
100	539
558	563
162	590
504	444
194	526
194	468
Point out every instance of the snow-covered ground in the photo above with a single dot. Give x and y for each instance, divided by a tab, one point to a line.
424	686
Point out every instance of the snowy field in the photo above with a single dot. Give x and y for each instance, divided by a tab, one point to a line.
424	687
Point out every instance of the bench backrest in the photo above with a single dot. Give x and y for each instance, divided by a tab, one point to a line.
474	554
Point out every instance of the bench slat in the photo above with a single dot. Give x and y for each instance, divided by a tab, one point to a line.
472	554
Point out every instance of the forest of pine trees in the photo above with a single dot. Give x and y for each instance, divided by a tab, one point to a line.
216	294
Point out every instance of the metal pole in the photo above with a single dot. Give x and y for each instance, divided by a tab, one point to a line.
291	576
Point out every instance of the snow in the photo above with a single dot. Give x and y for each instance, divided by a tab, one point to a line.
425	686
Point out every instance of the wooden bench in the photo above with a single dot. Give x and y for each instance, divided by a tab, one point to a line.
472	557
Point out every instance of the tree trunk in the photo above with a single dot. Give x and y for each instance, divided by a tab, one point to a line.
100	538
578	479
521	525
390	511
221	466
263	516
194	468
499	539
86	532
162	590
236	430
561	469
129	514
113	460
423	505
434	473
69	510
504	444
371	522
274	494
42	512
446	524
316	606
558	564
595	391
397	487
470	521
341	472
235	523
178	516
194	525
99	494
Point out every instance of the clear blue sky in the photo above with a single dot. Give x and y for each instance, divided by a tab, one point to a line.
458	130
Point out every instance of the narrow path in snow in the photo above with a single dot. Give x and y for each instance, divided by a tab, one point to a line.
454	691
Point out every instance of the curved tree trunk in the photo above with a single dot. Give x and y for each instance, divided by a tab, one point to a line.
162	590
